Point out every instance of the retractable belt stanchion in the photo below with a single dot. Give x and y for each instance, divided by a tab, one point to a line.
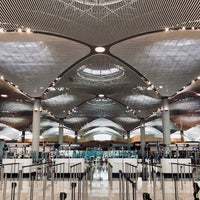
73	185
110	168
86	185
181	171
13	186
2	176
63	196
133	188
184	176
127	189
123	187
44	185
5	187
79	186
146	196
172	171
90	176
154	185
20	184
32	186
52	183
63	171
175	188
196	190
120	185
163	185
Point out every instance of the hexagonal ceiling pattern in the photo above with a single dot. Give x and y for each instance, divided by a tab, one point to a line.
47	51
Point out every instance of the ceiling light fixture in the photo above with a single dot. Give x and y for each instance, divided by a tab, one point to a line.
19	30
4	95
101	95
166	29
28	30
100	49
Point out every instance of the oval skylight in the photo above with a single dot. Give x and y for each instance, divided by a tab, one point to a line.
102	73
98	2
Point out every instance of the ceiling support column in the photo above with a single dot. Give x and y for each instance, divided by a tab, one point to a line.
182	135
60	136
142	136
36	128
166	126
23	136
128	137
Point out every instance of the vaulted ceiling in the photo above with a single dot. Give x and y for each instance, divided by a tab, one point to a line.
47	51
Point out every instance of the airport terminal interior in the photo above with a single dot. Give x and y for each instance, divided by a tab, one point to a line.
100	99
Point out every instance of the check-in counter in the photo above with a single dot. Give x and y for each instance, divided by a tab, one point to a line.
119	163
176	165
14	165
68	162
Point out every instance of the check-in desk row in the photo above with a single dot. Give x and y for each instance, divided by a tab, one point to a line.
167	166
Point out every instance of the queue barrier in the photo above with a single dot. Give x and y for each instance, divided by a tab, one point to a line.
110	171
124	187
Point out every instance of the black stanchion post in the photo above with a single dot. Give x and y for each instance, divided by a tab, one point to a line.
175	187
14	184
144	173
73	185
196	190
146	196
33	175
79	186
63	196
134	190
127	188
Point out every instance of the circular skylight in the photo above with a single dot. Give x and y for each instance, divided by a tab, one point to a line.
103	73
99	49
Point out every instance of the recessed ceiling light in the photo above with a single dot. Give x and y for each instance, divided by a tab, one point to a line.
4	95
100	49
28	30
19	30
149	88
166	29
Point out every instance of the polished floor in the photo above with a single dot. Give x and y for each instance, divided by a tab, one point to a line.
97	188
98	191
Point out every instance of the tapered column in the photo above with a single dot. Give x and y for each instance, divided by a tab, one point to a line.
142	136
23	136
36	127
60	137
182	135
128	137
166	125
76	137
